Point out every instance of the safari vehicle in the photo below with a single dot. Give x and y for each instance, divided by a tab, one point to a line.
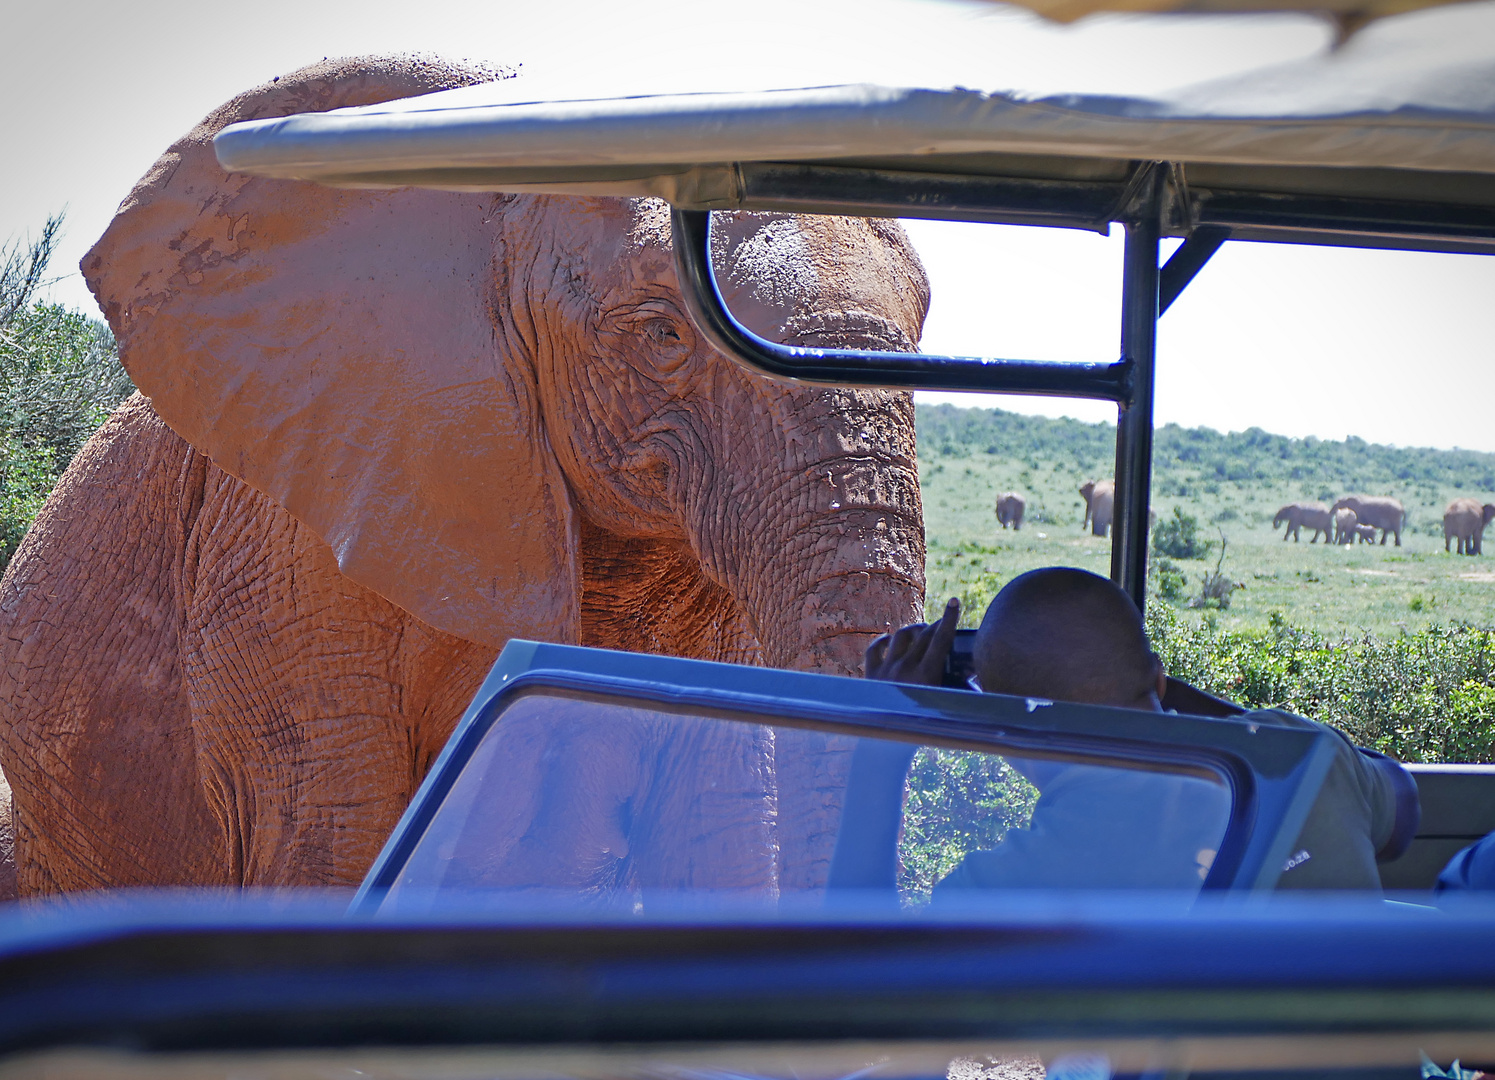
728	932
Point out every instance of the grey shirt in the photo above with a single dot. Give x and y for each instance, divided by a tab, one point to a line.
1352	819
1114	828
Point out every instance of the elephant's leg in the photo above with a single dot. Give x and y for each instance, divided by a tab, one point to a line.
318	706
95	735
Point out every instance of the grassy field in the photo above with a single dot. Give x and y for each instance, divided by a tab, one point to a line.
1233	485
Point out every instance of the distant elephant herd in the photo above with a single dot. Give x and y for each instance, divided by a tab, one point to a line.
1353	518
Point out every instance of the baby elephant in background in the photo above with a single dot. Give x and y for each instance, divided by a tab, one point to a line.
1366	533
1378	511
1010	508
1310	515
1465	521
1344	526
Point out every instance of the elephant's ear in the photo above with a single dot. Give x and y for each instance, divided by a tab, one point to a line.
338	351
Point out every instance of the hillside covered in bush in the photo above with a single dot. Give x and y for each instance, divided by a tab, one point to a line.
1186	459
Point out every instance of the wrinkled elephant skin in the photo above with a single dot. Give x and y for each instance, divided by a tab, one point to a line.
383	432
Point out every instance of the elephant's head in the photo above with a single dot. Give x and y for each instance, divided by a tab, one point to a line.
495	412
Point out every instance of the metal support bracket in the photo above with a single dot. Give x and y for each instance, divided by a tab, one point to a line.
1187	261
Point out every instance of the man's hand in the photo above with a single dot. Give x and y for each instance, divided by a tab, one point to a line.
916	653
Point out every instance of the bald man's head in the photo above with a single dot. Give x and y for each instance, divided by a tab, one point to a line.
1067	635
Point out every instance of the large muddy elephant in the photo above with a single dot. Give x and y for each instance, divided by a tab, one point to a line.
383	432
1379	511
1100	497
1301	515
1464	521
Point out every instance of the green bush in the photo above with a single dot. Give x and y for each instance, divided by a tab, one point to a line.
975	597
60	377
1423	696
1178	537
1168	579
957	801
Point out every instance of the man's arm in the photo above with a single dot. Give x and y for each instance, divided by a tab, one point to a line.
1365	811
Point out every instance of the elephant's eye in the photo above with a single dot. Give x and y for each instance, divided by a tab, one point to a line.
661	331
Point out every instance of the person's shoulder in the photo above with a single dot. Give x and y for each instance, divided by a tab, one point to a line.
1280	718
1285	719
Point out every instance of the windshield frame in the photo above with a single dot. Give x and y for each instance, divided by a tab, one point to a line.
1273	773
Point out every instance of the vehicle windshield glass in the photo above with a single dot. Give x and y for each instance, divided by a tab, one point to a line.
618	802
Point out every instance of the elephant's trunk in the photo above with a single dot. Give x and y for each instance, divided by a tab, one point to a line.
834	553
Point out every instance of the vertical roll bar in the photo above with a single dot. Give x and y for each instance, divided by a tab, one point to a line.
1139	328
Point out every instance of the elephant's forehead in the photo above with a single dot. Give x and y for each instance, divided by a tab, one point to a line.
615	242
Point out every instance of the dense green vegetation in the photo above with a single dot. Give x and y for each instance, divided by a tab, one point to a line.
1420	696
957	801
59	377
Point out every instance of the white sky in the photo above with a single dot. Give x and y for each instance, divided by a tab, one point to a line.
1394	347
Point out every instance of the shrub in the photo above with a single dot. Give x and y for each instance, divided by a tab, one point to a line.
974	598
29	473
1169	579
1178	537
60	377
958	801
1423	696
1215	589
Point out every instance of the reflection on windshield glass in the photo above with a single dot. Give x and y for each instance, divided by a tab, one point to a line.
615	803
956	802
